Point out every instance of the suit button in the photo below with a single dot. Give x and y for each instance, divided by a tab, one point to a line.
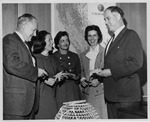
96	90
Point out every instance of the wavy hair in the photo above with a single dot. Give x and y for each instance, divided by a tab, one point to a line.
90	28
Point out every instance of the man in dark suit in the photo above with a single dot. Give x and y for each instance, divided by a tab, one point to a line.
19	71
123	59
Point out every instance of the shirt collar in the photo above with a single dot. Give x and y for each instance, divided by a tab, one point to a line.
96	49
19	34
118	31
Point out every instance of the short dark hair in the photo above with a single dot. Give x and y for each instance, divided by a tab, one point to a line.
118	10
39	42
58	36
90	28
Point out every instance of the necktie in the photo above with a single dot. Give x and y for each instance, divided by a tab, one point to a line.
110	43
30	52
112	40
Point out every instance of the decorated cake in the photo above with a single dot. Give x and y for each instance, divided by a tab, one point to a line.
77	110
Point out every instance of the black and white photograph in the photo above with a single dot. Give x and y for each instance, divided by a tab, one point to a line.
74	60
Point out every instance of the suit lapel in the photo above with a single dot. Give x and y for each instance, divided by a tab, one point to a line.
20	41
23	46
99	58
116	40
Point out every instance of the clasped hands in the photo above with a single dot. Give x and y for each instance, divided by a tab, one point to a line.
61	75
58	77
95	82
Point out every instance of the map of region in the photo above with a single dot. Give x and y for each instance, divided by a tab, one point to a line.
73	16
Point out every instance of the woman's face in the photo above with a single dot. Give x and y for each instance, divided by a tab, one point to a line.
63	43
93	38
49	42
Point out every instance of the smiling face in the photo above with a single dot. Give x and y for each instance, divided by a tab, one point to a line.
49	42
92	37
63	43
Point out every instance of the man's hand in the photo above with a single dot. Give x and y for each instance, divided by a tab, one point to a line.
96	71
105	73
41	72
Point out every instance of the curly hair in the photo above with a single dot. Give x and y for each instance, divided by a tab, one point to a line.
58	37
90	28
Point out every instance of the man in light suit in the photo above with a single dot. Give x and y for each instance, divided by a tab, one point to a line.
19	71
123	59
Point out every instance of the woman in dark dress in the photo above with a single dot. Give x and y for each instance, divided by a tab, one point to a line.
41	48
68	63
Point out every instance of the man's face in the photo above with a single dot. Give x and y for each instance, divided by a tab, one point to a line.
30	29
110	20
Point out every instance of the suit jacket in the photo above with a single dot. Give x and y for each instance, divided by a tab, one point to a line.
19	77
124	59
85	63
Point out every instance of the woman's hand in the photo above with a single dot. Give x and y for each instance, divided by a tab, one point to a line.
59	76
83	82
94	82
50	81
